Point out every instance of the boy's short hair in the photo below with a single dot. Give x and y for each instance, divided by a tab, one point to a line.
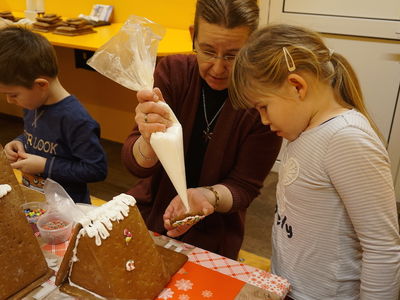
25	56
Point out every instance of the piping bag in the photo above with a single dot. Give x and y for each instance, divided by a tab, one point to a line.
129	58
59	200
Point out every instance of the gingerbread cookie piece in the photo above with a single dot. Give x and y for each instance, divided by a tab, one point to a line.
47	23
73	27
187	220
7	15
23	266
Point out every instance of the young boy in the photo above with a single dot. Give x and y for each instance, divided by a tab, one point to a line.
60	139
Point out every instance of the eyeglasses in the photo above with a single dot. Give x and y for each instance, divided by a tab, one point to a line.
209	56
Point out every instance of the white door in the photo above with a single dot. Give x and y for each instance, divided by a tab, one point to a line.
355	17
350	29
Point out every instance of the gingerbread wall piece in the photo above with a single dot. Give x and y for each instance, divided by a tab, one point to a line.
23	266
114	256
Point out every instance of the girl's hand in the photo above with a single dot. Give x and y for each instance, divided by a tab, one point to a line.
176	210
12	149
30	163
150	116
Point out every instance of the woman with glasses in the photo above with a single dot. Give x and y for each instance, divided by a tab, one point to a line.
228	153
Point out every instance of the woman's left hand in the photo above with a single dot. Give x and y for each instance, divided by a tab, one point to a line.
176	210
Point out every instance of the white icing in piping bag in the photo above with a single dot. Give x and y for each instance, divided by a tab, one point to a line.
168	146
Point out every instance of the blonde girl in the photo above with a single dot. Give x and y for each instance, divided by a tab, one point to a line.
336	232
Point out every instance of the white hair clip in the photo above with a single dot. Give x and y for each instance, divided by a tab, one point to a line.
330	52
290	64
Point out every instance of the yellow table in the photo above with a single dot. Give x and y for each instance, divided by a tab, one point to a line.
175	40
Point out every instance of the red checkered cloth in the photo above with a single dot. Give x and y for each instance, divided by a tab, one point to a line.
246	273
221	264
58	249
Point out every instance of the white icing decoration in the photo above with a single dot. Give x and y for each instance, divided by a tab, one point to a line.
130	265
4	189
98	222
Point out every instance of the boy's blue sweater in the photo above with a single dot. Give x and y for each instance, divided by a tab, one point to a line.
68	137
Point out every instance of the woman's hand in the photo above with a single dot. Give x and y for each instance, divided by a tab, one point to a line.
150	116
12	149
176	210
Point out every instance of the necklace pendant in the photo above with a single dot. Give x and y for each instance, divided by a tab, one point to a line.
207	135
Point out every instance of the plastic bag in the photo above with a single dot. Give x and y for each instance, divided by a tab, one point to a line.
59	200
129	57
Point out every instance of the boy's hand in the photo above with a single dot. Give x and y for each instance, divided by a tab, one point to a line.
12	149
29	163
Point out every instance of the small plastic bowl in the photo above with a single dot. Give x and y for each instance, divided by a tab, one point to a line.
32	211
54	227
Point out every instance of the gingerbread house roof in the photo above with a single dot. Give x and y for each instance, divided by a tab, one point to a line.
23	266
112	254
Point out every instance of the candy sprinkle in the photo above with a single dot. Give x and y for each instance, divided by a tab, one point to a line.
55	224
33	215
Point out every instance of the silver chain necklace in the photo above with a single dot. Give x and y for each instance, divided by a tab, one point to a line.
206	132
37	117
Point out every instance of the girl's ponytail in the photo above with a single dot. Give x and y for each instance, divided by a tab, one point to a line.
347	87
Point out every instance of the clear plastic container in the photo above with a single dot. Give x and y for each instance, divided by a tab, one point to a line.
32	211
54	227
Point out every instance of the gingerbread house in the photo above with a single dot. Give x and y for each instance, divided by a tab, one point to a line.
112	255
23	266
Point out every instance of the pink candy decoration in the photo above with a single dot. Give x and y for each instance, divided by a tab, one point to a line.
127	233
128	236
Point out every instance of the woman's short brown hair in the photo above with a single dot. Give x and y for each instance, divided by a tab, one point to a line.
227	13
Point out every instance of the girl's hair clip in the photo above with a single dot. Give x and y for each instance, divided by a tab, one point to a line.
289	60
331	51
